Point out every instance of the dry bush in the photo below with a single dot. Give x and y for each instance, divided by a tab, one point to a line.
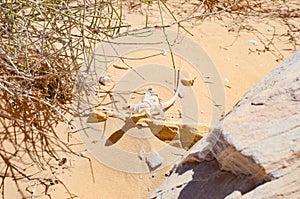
42	45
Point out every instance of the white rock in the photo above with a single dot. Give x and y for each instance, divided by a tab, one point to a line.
226	80
104	80
181	92
164	52
234	195
154	160
254	42
254	149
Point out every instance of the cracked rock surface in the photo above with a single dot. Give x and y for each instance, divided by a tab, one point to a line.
254	152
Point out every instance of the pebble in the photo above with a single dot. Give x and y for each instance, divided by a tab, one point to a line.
154	160
254	42
181	92
80	154
164	52
186	78
141	155
104	80
226	80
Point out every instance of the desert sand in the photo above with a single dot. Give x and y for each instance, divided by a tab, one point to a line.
238	50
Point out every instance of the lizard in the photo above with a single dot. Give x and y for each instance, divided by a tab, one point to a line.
151	104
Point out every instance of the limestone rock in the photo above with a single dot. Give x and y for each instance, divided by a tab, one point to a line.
154	160
186	78
254	152
104	80
234	195
190	134
97	116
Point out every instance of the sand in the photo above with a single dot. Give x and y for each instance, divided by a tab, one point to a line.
240	65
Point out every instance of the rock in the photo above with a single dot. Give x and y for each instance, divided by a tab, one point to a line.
186	78
175	143
253	42
153	160
168	132
181	92
234	195
104	80
178	135
164	52
190	134
97	116
101	114
254	151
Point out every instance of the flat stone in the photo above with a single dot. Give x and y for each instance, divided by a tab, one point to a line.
153	160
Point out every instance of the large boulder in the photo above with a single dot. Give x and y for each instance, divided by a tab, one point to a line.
254	152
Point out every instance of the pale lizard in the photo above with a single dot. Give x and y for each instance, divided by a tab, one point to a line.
151	104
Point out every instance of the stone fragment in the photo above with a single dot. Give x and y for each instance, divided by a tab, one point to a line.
104	80
192	133
97	116
186	78
153	160
234	195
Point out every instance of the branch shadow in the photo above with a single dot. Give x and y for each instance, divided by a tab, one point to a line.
28	144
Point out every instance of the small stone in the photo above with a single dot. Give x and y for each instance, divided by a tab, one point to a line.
181	92
234	195
97	115
154	160
186	78
253	42
80	154
141	155
164	52
104	80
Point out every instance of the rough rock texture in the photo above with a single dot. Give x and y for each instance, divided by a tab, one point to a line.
254	152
